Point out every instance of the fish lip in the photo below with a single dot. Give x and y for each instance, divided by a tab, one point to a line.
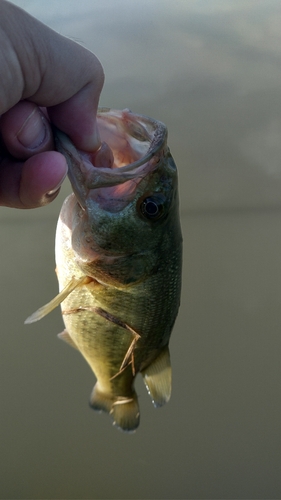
84	176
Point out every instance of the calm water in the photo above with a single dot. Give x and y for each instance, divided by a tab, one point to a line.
211	71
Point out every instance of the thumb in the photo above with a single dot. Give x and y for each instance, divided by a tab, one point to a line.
26	130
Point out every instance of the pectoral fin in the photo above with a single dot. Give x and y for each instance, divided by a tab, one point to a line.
47	308
158	378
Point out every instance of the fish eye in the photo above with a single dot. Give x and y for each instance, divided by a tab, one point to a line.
152	207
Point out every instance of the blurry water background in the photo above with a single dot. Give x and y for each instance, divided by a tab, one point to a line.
210	70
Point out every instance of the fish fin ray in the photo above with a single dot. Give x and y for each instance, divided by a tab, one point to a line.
158	378
47	308
67	338
124	410
100	400
126	414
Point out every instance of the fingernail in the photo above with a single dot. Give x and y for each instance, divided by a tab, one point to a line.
33	131
53	193
92	142
57	187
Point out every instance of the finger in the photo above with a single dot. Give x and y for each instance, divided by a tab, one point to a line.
33	183
25	130
77	118
56	70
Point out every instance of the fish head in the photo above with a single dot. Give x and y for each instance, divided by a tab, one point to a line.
125	212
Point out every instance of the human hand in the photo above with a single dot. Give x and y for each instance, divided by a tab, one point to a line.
41	69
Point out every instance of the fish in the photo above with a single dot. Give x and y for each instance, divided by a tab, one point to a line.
118	261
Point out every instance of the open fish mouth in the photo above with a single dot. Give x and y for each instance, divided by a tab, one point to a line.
132	146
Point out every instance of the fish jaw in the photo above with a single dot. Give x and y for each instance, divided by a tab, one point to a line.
132	145
104	222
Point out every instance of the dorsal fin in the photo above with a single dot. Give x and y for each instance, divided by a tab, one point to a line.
158	378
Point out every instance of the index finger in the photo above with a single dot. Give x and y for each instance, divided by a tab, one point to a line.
39	65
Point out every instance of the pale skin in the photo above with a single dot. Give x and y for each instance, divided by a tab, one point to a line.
41	73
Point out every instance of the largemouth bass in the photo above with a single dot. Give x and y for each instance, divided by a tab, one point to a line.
118	258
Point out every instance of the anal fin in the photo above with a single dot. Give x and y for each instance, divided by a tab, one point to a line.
66	338
158	378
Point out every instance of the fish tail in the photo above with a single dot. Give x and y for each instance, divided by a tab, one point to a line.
124	410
